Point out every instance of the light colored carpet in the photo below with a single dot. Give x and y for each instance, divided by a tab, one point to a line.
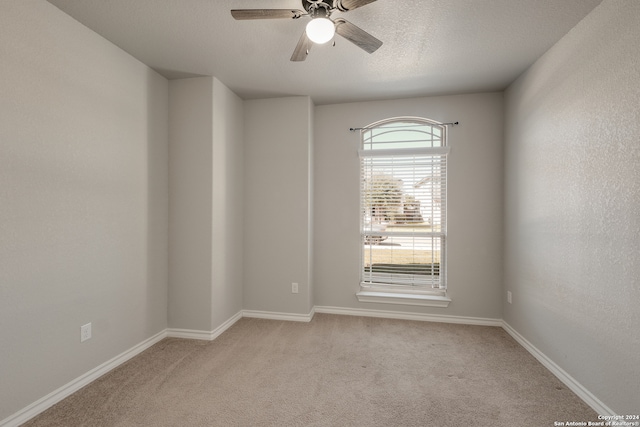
333	371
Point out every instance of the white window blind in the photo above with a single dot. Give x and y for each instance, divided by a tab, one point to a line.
403	204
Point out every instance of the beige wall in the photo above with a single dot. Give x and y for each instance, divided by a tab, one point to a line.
474	192
227	204
277	196
205	217
190	208
83	201
572	200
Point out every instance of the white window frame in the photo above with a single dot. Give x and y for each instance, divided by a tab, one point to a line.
421	291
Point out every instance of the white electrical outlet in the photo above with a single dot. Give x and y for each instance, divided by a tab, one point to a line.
85	332
294	288
509	297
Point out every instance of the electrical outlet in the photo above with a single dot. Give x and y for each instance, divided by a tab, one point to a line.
294	288
509	297
85	332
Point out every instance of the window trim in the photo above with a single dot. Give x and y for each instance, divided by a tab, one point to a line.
404	298
395	293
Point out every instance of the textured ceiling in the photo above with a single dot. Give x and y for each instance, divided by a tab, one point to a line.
431	47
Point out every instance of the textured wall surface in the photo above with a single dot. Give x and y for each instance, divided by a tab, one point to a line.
277	197
474	200
205	210
572	201
190	204
227	210
83	201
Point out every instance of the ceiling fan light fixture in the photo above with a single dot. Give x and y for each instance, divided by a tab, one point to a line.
320	30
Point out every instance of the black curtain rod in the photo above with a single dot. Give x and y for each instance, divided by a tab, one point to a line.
446	124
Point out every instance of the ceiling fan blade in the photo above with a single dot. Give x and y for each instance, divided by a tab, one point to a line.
302	48
357	36
345	5
242	14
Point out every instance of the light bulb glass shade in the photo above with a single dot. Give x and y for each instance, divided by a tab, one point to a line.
320	30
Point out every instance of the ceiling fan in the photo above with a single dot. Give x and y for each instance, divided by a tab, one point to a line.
321	28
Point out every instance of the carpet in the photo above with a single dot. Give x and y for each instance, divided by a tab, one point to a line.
333	371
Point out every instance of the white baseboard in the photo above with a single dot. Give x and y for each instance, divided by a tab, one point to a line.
204	335
279	316
562	375
68	389
410	316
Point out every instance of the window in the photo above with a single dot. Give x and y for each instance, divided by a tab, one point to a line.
403	188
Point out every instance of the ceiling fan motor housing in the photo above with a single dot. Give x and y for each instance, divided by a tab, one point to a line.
318	8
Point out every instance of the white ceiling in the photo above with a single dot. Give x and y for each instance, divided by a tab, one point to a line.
431	47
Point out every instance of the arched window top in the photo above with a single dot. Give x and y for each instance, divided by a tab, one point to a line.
404	132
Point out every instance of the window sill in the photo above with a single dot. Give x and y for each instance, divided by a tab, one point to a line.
403	298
